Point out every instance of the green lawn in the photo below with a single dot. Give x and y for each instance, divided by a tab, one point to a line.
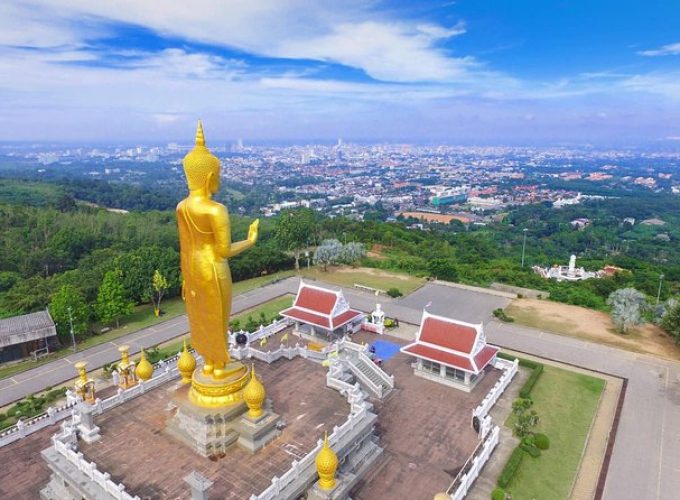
246	285
142	317
270	309
374	278
566	403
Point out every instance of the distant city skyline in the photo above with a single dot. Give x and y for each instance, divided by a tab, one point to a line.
282	71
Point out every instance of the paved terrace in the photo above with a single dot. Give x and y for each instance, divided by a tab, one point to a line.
136	451
425	430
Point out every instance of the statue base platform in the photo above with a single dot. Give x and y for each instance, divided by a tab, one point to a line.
211	431
255	433
208	392
343	484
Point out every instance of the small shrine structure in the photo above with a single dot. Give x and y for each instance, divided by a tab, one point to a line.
376	322
84	385
317	310
567	273
450	352
126	369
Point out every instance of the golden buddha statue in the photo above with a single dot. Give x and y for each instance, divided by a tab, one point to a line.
205	246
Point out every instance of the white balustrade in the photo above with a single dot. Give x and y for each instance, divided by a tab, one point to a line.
473	467
510	369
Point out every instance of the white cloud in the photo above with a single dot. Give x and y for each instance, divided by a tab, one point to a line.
672	49
128	92
664	84
346	32
179	63
387	52
437	32
166	118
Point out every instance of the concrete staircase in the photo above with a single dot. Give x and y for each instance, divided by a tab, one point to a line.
371	377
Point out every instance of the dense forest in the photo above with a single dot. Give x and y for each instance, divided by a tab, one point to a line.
49	241
44	249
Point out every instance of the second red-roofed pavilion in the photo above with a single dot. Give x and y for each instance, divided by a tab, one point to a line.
451	352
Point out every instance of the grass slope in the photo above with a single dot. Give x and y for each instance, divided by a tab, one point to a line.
566	403
270	309
374	278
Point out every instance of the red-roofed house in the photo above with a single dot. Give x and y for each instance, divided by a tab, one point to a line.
450	351
319	310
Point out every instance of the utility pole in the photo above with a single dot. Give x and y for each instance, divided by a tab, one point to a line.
524	245
658	293
73	335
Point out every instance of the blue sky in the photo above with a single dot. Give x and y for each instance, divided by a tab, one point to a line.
459	72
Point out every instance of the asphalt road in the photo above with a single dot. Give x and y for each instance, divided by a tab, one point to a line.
645	462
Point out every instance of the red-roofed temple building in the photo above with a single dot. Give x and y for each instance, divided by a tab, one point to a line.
318	311
451	352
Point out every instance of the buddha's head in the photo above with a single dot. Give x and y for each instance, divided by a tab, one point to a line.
201	167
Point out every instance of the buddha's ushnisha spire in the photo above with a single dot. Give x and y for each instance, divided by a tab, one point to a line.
200	138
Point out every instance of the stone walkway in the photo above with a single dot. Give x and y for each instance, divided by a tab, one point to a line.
486	482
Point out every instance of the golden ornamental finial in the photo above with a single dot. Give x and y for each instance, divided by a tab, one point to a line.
144	369
326	465
200	138
254	395
186	364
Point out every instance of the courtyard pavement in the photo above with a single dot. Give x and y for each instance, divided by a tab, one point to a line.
645	462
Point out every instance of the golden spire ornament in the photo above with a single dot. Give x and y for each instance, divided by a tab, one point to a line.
144	369
186	364
254	395
326	466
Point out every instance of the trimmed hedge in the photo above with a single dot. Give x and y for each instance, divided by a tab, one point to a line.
525	392
536	370
510	468
541	441
531	450
498	494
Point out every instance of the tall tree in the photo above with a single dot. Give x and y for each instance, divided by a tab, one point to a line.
139	265
294	230
160	286
353	252
627	305
68	297
112	301
671	322
328	253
